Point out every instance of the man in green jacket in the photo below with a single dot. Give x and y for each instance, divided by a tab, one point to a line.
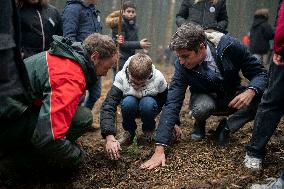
50	119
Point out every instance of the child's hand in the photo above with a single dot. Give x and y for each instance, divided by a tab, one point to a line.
112	147
120	39
144	44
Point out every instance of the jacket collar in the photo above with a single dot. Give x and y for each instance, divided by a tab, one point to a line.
224	43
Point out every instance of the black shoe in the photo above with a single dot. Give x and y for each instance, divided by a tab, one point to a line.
222	133
198	131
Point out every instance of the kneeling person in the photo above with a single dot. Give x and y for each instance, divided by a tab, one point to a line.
209	63
142	91
49	120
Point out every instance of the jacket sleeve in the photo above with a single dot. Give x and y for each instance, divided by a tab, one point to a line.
182	14
71	19
222	18
126	44
170	113
108	109
250	66
279	33
161	98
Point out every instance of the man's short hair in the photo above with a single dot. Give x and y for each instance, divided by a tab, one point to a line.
189	36
128	4
103	44
140	66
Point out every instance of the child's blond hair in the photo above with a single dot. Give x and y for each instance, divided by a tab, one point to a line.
140	66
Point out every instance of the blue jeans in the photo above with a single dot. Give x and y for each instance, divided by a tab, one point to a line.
94	94
146	108
269	112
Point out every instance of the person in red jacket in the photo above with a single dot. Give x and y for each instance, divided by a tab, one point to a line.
50	120
271	108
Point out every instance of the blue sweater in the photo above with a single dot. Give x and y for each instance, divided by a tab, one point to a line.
80	20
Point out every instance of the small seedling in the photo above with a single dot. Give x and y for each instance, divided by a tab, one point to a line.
133	149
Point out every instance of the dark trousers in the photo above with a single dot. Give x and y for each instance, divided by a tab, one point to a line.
146	108
269	112
202	106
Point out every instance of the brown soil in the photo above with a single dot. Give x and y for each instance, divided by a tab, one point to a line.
189	164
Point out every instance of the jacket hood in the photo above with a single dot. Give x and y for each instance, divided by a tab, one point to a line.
214	37
64	47
79	2
74	2
259	19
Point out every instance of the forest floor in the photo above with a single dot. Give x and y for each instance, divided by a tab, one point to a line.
189	164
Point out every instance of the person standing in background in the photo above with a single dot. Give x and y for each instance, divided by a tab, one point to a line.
130	41
39	22
210	14
13	74
261	33
80	19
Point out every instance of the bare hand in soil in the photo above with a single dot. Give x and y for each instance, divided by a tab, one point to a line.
112	147
157	159
242	100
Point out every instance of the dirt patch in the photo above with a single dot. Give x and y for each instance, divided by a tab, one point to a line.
189	164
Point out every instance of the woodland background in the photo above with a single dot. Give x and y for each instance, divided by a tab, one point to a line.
156	18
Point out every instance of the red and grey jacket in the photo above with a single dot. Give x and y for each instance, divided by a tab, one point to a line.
58	78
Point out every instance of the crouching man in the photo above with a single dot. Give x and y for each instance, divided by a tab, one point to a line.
49	119
209	64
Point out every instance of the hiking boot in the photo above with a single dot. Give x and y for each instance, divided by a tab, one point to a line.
222	133
198	132
252	162
126	138
272	184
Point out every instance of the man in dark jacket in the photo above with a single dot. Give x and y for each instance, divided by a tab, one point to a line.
261	33
214	83
39	22
13	74
210	14
80	19
50	119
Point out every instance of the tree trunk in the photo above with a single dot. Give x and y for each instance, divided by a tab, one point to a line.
170	22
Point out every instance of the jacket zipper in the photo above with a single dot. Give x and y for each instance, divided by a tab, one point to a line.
42	31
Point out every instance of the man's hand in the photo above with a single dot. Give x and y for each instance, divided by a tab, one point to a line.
157	159
278	60
242	100
144	44
112	147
